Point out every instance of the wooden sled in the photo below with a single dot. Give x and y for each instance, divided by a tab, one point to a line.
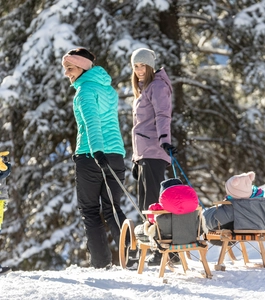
164	246
232	238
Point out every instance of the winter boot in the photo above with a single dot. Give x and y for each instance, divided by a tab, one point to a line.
133	259
174	258
154	259
4	270
98	247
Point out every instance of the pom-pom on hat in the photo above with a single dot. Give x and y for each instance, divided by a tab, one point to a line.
145	56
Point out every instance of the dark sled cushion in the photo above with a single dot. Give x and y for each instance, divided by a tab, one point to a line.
183	229
164	223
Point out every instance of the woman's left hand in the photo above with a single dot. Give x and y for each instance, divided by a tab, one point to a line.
169	148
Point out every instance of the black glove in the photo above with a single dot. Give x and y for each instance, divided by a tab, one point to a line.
169	148
135	171
101	160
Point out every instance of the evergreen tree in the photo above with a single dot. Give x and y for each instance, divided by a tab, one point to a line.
225	121
212	51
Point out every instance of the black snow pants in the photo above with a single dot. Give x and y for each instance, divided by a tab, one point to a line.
93	200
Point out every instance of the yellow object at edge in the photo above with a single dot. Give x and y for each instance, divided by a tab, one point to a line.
2	208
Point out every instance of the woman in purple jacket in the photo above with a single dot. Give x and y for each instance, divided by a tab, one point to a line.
151	137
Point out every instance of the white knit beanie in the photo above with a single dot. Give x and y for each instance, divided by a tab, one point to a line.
145	56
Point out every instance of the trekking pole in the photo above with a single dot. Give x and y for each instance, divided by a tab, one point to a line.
173	166
174	160
126	193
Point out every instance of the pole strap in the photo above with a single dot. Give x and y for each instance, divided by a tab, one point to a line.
111	200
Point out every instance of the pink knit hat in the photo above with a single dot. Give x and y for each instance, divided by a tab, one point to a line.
240	186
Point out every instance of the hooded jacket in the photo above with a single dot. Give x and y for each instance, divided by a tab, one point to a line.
152	118
95	108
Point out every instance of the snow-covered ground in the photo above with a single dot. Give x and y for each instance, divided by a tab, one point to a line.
75	283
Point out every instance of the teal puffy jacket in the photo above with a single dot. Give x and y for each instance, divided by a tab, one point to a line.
95	108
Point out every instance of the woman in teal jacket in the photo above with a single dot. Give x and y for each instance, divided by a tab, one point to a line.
99	144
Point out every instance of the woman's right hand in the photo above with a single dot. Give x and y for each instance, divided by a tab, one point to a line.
101	160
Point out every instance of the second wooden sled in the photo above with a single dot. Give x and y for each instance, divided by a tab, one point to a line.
231	238
166	246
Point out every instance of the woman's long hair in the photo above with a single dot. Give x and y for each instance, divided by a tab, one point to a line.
149	77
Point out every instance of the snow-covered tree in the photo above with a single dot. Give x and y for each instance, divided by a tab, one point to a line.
212	51
222	97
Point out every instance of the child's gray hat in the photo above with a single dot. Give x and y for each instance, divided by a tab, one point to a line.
145	56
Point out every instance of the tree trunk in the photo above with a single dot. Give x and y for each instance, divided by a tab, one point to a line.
169	25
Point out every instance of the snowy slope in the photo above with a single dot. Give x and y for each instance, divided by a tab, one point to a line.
75	283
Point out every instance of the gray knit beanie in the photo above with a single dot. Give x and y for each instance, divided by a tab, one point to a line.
145	56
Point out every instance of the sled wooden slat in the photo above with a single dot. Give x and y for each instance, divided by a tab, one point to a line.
155	212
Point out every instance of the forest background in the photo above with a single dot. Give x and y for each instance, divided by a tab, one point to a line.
213	52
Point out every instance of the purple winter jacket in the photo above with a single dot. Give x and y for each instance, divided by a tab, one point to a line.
152	119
